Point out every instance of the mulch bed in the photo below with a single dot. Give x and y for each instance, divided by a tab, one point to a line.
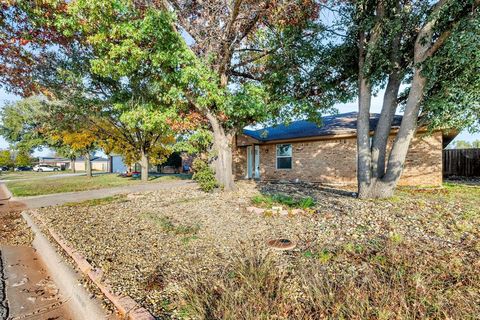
148	243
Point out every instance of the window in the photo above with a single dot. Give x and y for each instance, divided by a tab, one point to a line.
284	156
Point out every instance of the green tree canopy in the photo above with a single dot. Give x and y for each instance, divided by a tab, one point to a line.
23	158
6	159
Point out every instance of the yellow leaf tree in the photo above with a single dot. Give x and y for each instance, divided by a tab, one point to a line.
82	141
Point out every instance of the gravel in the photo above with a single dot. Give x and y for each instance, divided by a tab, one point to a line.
146	243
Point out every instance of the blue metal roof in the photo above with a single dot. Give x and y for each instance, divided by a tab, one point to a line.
334	124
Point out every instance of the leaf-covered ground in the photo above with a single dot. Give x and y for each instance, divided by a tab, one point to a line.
188	254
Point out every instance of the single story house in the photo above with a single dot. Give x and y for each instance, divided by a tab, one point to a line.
98	164
176	163
326	153
63	163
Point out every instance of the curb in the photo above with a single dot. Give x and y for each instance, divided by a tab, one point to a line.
126	306
83	304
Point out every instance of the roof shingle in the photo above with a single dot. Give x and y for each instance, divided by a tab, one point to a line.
334	124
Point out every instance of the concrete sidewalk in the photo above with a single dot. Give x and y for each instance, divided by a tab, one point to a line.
62	198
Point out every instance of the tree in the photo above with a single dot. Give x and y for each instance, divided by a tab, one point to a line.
27	33
33	123
6	158
123	84
21	123
146	62
224	90
119	84
462	144
23	158
430	47
408	41
81	141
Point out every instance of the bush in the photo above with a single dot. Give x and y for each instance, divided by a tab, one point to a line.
204	175
269	200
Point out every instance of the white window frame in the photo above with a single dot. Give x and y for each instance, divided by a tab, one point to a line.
277	156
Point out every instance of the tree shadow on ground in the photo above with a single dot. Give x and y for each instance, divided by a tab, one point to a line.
301	189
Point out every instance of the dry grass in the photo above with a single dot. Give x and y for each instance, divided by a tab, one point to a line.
382	279
185	254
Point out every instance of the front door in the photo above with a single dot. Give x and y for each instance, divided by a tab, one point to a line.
257	162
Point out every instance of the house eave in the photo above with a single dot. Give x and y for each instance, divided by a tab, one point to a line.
248	140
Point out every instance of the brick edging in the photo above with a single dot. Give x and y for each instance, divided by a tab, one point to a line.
125	305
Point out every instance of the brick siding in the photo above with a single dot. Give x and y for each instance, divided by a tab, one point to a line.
333	161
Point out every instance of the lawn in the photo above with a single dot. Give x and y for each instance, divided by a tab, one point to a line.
14	175
23	188
192	255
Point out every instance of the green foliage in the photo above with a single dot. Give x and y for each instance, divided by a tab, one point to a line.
307	202
453	93
461	144
289	201
22	123
23	158
6	158
204	175
261	199
197	142
309	74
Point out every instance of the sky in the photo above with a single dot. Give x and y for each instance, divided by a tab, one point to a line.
6	97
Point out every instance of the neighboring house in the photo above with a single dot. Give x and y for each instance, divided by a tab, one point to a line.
117	165
98	164
184	160
304	151
63	163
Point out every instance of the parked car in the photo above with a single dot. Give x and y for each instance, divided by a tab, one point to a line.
23	168
45	167
4	168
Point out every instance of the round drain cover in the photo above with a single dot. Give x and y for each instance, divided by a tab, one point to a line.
281	244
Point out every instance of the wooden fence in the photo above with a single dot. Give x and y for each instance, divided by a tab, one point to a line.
461	162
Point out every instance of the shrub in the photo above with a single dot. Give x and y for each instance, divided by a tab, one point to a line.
261	199
269	200
204	175
306	203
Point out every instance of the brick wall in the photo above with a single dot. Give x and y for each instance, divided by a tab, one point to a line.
334	161
240	162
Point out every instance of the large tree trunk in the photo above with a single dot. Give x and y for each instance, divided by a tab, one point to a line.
385	187
144	166
363	124
223	163
88	165
363	139
406	132
384	126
